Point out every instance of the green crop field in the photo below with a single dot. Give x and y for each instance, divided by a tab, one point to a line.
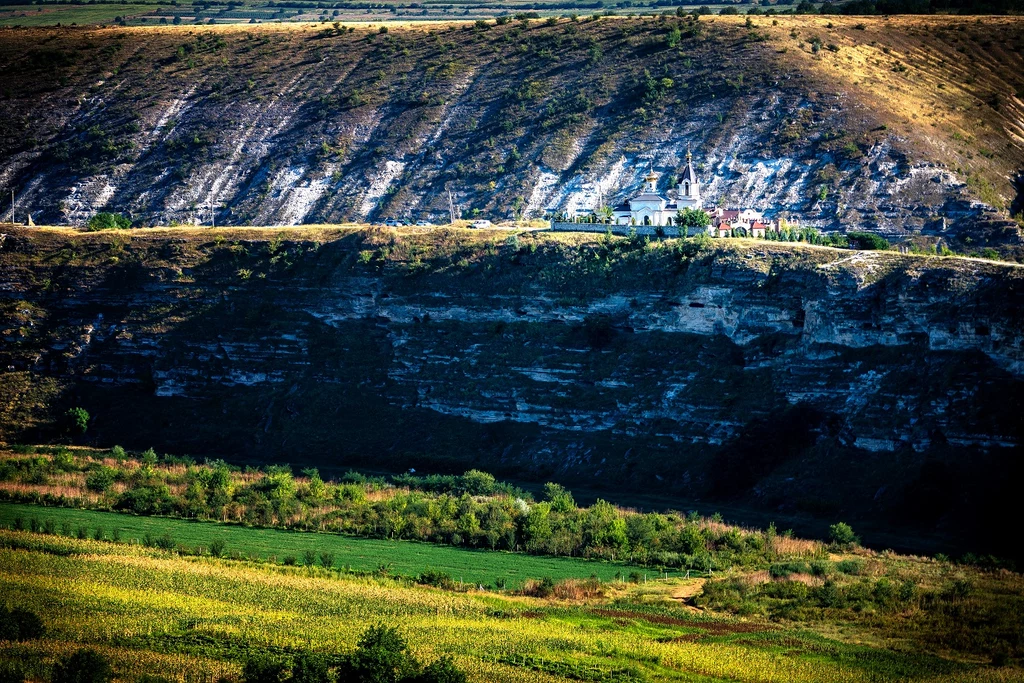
51	14
407	558
153	612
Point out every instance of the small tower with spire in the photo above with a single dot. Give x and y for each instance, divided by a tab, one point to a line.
651	181
688	192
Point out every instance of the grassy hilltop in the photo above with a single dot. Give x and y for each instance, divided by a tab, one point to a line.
887	124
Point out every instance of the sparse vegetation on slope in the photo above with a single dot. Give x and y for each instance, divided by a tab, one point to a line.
507	116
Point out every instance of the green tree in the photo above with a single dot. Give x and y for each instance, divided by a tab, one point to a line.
603	527
477	483
867	241
442	670
841	534
673	37
310	668
108	221
561	500
77	420
382	656
264	670
537	529
688	219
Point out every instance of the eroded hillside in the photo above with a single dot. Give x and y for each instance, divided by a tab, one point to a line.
807	382
894	125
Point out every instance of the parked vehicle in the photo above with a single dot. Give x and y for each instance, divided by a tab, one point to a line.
424	224
481	223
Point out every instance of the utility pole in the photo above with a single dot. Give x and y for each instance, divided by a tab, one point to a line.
12	205
213	215
451	207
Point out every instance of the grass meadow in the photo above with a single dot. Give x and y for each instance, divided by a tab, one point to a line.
154	612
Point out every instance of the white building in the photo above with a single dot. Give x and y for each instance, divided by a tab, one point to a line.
650	208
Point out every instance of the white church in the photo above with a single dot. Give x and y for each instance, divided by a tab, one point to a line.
650	208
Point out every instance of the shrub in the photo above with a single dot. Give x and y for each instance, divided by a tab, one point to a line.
101	480
165	542
822	568
289	560
853	567
11	673
433	577
785	590
85	666
109	221
327	560
217	548
543	588
781	570
382	655
308	558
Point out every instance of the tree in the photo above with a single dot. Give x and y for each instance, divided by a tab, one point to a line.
673	37
382	656
77	420
105	220
867	240
692	218
537	529
477	483
605	213
85	666
561	500
442	670
841	534
264	670
310	668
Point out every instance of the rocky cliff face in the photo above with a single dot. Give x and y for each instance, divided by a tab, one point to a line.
898	126
805	381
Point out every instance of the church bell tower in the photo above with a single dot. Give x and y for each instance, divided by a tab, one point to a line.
688	192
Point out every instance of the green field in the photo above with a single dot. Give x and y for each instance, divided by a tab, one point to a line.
198	618
407	558
51	14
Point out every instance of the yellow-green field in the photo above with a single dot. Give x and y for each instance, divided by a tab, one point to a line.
196	619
